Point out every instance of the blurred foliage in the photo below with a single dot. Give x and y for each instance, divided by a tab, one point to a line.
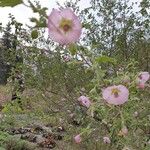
11	3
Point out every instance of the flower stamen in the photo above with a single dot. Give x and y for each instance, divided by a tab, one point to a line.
65	25
115	92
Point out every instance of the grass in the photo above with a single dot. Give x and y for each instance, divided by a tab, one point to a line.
36	110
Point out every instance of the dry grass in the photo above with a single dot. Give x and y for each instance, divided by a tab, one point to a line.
5	94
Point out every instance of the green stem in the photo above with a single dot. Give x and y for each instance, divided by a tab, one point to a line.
122	118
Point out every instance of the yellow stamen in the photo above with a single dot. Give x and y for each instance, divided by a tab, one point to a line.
115	92
65	25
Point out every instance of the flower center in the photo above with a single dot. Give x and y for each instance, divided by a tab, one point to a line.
115	92
65	25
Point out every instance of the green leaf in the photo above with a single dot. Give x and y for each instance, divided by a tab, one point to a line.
41	23
11	3
105	59
33	20
86	25
73	49
34	34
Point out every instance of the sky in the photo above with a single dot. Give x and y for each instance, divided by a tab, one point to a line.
23	13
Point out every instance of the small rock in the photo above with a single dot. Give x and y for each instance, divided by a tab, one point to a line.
60	129
24	130
30	137
13	131
58	137
18	136
49	125
38	129
48	143
47	135
39	138
47	129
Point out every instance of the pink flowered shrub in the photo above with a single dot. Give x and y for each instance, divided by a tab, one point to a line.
101	68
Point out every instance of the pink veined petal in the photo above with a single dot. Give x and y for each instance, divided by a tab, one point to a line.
77	24
54	18
68	13
73	36
53	26
75	32
107	92
123	96
57	37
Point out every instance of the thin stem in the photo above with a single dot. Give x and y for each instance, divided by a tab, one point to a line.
121	115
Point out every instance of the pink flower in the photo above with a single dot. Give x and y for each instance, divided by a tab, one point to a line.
64	26
116	95
77	139
141	85
143	77
66	58
84	101
106	140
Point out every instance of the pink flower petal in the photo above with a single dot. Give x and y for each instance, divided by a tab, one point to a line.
84	101
77	139
112	98
73	36
54	18
141	85
106	140
58	37
68	13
